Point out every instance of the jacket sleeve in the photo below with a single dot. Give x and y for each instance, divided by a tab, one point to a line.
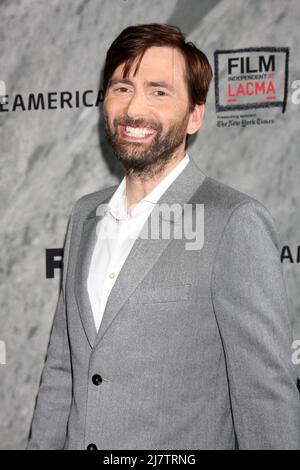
50	417
251	309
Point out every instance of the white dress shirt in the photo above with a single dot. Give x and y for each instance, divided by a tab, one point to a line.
117	232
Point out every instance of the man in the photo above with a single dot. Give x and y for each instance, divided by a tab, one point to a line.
159	343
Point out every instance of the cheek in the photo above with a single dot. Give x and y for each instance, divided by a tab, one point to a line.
113	109
170	117
109	113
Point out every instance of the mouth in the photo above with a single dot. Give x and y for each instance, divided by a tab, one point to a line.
139	134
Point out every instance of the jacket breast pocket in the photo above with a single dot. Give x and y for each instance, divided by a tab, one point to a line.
171	293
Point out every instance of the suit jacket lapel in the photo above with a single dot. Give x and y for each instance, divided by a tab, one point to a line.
85	251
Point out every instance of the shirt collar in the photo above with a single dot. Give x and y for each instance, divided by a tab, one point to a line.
116	206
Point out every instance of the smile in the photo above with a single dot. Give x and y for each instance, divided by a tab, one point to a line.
136	133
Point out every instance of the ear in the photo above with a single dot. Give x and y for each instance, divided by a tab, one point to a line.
196	119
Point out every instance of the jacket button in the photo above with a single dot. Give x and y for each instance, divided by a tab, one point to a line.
96	379
92	447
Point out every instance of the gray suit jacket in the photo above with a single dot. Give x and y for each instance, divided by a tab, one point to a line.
194	349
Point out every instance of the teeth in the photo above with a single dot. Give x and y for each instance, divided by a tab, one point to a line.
137	131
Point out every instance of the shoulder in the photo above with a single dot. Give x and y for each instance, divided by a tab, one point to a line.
227	200
223	196
233	212
245	218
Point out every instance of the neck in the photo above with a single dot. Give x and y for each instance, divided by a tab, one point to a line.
138	186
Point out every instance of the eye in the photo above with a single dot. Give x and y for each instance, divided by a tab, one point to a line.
122	89
160	93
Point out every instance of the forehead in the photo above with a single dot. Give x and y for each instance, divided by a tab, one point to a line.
158	63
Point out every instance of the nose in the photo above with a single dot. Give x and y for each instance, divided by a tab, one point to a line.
136	105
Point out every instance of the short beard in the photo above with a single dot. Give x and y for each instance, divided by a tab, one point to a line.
152	161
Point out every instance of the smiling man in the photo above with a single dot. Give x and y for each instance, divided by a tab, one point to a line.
147	120
155	345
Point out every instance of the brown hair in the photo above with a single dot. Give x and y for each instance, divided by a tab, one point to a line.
132	43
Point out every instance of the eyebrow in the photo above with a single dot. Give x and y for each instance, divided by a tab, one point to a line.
162	83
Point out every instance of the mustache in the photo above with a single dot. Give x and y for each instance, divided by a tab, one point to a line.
138	122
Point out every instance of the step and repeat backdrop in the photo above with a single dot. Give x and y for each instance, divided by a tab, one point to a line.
53	148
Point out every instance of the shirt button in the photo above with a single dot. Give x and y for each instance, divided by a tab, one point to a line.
92	447
96	379
112	275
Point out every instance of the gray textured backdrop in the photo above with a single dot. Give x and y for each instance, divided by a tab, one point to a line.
50	158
